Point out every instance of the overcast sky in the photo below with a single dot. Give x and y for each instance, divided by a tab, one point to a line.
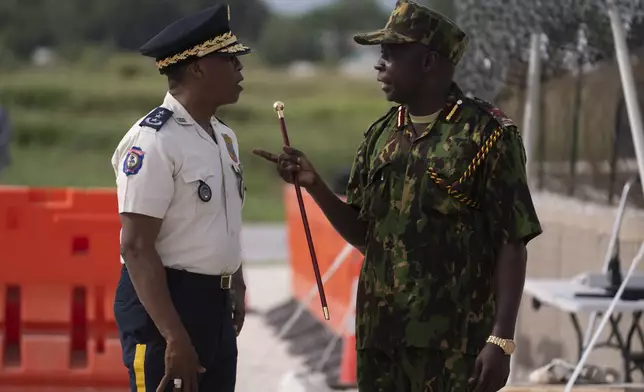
296	6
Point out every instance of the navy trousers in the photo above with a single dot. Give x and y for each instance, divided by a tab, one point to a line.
206	312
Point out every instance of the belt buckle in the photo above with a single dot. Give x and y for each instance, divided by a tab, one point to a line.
226	282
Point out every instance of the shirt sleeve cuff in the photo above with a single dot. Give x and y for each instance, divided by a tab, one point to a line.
154	210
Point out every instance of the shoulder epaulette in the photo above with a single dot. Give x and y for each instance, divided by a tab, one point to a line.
157	118
495	112
387	115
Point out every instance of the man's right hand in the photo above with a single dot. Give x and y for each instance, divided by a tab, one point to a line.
290	164
344	218
182	362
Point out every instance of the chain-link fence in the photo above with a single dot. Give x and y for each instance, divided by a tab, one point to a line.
584	145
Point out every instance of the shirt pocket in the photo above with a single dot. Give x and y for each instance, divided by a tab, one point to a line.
449	191
204	190
376	200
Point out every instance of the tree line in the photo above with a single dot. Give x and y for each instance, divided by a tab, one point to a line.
578	31
124	25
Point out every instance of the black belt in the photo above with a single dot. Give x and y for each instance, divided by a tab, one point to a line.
225	281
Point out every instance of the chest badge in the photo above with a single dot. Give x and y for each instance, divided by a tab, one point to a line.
204	192
230	147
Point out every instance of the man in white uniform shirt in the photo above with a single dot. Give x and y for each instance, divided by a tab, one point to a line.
180	196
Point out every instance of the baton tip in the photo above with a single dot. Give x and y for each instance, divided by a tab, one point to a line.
326	313
278	106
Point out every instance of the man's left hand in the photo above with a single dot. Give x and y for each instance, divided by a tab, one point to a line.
491	370
239	308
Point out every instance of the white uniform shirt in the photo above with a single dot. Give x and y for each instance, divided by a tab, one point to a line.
160	164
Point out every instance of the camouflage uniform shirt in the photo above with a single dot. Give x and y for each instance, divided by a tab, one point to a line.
438	210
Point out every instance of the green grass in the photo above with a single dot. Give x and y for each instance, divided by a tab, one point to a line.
67	122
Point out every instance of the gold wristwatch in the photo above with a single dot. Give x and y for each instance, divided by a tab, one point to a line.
507	345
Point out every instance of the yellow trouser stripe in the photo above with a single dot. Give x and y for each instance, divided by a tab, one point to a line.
139	367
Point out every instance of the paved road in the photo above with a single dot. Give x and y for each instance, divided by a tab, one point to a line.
264	243
264	361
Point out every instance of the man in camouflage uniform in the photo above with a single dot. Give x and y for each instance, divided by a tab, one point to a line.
439	203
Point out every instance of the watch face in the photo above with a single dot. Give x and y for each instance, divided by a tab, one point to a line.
509	346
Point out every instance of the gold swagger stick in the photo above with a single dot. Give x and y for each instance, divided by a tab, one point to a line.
279	108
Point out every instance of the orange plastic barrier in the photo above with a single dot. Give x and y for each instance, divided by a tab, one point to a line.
348	363
328	244
59	266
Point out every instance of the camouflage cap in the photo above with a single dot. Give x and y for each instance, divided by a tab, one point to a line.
412	22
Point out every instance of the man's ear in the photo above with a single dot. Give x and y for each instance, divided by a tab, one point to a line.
196	69
430	60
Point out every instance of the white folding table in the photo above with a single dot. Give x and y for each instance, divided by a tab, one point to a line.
563	294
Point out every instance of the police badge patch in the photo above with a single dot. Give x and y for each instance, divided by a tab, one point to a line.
230	147
133	161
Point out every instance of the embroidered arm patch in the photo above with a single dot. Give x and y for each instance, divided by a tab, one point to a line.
133	161
156	118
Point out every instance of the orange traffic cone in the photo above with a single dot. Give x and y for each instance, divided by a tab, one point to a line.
348	364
